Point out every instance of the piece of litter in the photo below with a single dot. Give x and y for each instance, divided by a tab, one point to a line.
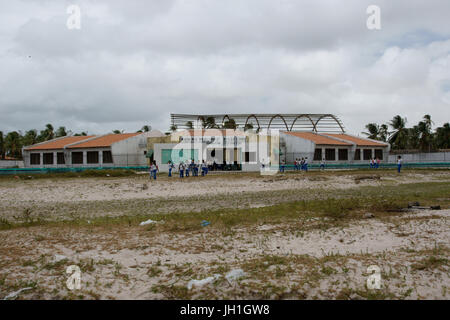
369	215
14	294
205	223
199	283
149	221
234	275
59	257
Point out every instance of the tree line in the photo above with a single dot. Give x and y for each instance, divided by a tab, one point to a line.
11	143
418	137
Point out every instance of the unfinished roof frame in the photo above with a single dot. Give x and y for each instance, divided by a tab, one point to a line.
291	122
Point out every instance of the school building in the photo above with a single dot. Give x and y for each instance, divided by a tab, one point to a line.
109	150
317	137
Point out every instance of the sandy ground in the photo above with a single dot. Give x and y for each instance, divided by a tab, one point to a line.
89	189
299	260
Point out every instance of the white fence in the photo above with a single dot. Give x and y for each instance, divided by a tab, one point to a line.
421	157
11	163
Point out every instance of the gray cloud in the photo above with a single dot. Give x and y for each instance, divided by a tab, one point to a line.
134	62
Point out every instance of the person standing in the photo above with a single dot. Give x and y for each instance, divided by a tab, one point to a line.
171	166
186	168
399	164
154	169
150	170
282	166
306	164
322	164
378	163
181	169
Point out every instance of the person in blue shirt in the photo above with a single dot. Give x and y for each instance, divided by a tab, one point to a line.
171	166
181	169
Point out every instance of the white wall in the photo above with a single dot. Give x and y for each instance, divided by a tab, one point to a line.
11	163
421	157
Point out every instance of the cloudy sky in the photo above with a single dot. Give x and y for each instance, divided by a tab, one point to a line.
133	62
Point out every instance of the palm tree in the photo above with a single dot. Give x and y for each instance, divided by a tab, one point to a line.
248	126
61	132
190	125
373	131
413	136
13	145
229	124
442	137
47	133
203	120
117	131
210	123
30	137
426	137
146	128
173	128
2	146
398	138
383	132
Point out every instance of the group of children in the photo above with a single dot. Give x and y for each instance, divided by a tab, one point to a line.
374	163
189	168
301	164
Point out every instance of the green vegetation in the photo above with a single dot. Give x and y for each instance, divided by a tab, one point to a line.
420	136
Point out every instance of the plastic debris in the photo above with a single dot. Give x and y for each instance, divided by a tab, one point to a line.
199	283
149	221
235	274
369	215
205	223
59	257
14	294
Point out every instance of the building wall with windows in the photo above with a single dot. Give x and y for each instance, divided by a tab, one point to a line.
109	150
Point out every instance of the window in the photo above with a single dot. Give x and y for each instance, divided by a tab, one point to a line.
379	154
92	157
318	154
48	158
35	158
343	154
330	154
358	154
77	157
250	157
367	153
107	157
60	158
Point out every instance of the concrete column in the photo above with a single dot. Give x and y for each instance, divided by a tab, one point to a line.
55	159
336	154
84	157
100	158
41	157
323	154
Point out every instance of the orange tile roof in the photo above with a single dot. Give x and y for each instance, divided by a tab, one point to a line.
103	141
58	143
317	139
358	141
